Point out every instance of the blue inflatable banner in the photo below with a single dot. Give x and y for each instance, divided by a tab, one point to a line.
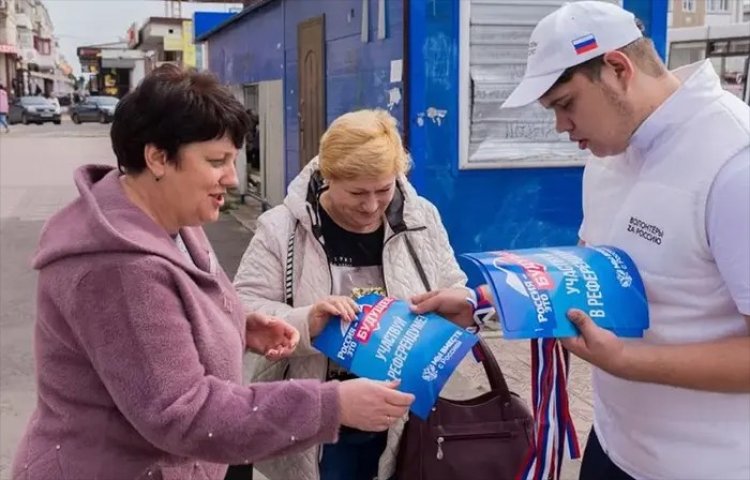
534	288
389	342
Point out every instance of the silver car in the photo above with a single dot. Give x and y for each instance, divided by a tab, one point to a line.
29	109
94	109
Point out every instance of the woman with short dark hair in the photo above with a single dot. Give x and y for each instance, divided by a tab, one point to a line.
139	333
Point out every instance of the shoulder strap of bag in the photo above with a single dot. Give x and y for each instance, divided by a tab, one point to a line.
289	271
493	371
418	264
491	367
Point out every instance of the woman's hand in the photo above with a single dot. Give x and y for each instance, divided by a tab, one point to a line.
371	405
270	336
333	306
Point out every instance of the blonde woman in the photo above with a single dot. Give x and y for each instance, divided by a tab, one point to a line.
356	225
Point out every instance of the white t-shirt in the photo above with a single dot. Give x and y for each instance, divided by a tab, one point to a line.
695	192
728	227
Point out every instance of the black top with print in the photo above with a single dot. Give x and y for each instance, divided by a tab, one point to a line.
356	261
350	249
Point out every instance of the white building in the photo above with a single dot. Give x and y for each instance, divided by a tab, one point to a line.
8	42
29	58
697	13
715	29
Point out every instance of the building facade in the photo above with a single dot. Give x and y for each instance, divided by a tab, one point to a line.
500	179
113	68
299	65
9	53
718	30
165	40
697	13
30	62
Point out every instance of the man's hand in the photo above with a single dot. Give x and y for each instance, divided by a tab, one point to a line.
270	336
451	303
333	306
596	345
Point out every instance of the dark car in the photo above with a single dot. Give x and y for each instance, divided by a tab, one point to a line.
94	109
28	110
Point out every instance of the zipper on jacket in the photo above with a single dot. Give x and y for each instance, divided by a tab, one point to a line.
328	361
309	209
330	292
385	243
401	232
328	264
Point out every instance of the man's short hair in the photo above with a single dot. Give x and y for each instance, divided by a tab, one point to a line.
170	108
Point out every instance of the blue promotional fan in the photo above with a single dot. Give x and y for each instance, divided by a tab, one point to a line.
388	342
534	288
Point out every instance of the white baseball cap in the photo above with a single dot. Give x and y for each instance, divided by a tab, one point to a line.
569	36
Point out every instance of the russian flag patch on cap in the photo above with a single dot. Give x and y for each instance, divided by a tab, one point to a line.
585	44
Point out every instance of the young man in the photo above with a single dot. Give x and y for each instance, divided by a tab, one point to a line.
672	189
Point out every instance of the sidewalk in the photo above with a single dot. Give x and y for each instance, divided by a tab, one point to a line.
246	214
514	357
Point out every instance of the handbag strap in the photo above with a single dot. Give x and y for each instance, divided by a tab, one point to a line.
289	270
493	371
418	264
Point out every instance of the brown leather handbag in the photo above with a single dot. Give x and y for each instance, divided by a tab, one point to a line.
484	438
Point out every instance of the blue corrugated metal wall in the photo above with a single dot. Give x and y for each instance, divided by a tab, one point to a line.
251	49
482	209
263	46
357	74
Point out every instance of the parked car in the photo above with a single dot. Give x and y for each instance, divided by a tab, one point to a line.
94	109
32	110
55	103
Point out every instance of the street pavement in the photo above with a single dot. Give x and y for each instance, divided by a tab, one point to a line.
36	167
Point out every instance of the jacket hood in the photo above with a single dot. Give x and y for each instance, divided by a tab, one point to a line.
303	201
103	220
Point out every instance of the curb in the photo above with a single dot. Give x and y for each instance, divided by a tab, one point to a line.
246	213
248	225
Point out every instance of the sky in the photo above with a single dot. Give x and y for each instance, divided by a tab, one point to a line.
85	22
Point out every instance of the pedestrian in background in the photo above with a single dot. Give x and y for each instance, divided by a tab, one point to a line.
4	108
139	333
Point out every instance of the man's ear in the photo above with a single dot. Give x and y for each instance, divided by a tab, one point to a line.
622	67
156	160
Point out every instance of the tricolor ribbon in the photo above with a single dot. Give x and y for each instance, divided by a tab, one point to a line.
483	309
550	365
554	430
